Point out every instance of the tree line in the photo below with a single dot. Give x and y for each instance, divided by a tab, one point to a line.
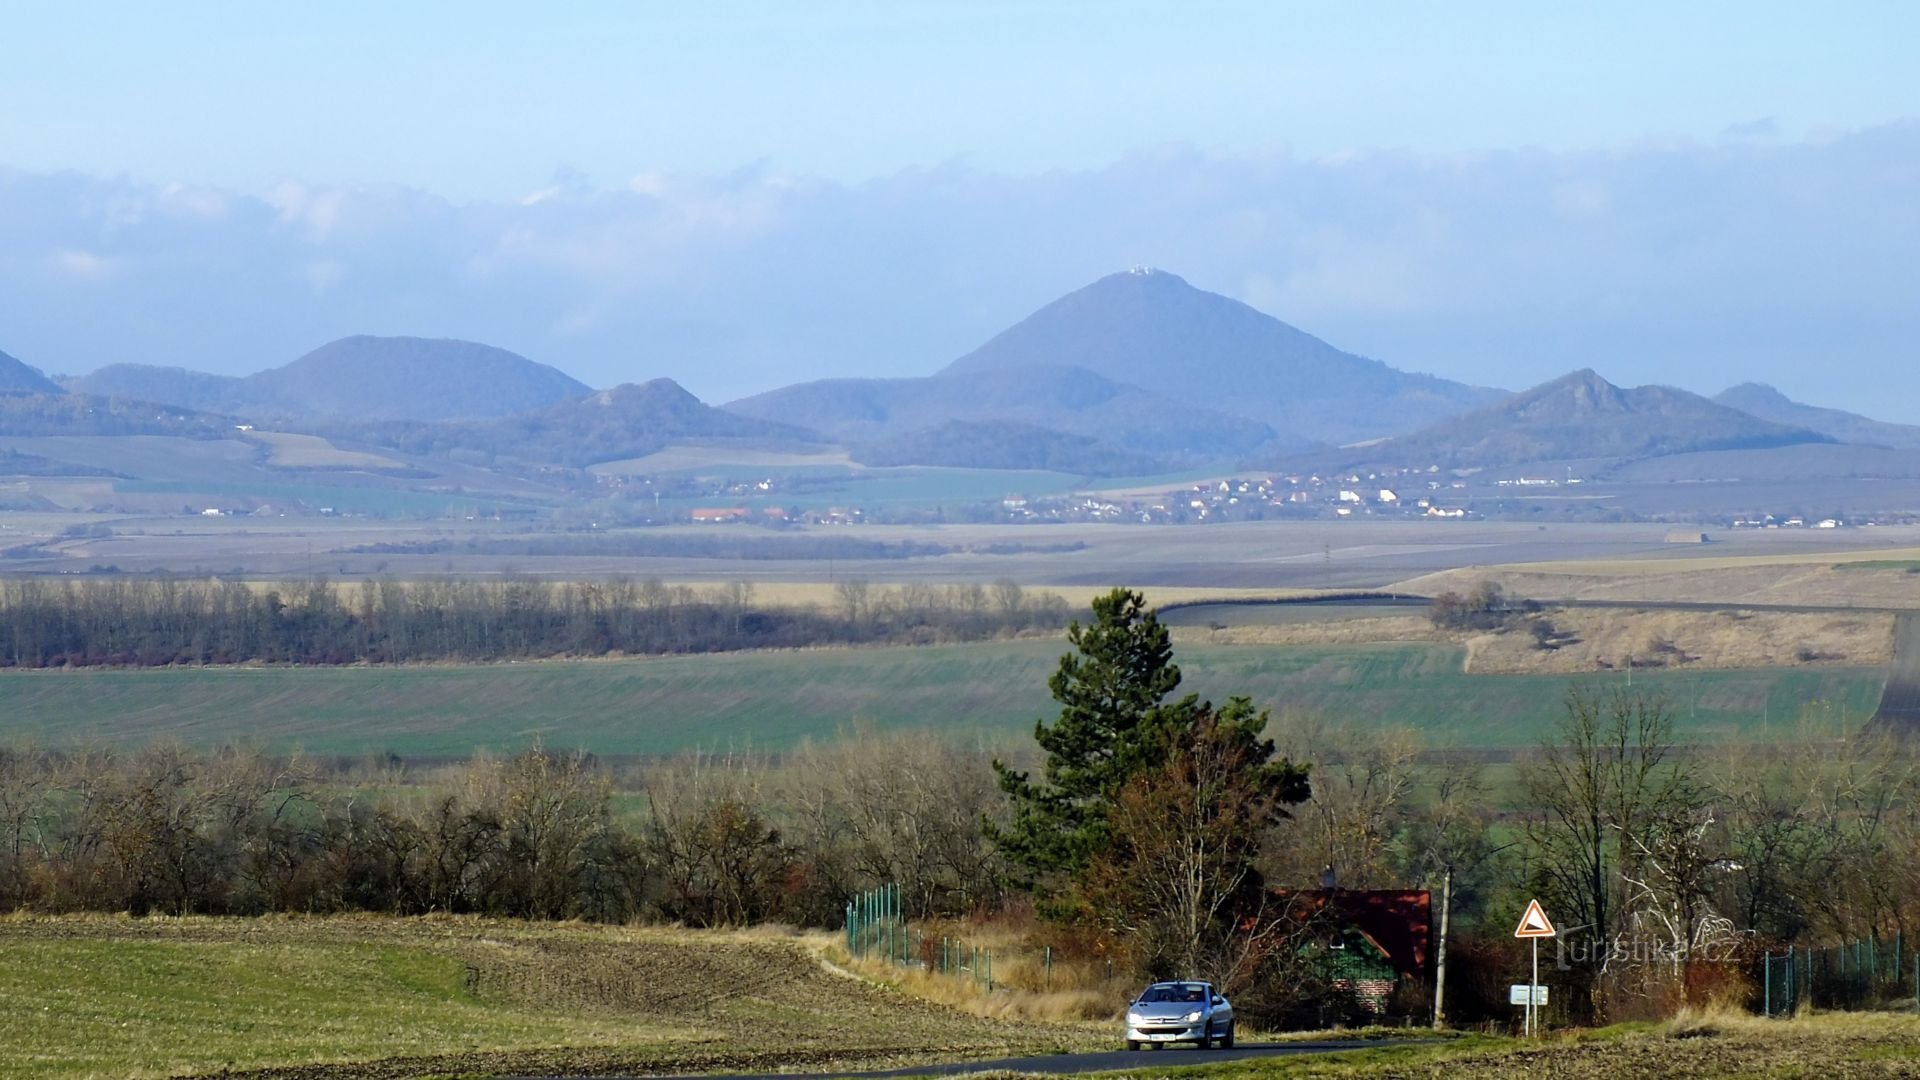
150	622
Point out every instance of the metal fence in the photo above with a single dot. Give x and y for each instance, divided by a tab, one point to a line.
1862	974
876	930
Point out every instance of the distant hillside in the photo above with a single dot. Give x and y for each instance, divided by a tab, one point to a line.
1763	401
18	378
82	414
167	386
1069	400
1150	329
610	425
1579	416
1006	444
360	377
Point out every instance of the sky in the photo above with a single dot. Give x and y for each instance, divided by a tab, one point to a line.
738	195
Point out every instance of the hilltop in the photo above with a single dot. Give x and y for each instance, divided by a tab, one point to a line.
361	377
18	378
1767	403
1580	416
1151	329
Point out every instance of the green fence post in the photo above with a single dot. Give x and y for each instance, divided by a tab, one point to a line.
1049	982
1766	982
1792	1004
989	971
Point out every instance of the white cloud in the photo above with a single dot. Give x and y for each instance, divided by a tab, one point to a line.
81	265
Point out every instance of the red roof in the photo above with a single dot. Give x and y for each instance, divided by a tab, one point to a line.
1398	921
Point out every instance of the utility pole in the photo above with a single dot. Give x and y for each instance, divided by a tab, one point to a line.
1440	954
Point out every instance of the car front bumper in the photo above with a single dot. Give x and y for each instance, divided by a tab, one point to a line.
1167	1032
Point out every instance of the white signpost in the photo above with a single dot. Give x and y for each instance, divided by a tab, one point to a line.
1533	925
1517	995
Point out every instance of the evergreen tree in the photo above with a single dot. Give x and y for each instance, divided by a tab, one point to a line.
1115	722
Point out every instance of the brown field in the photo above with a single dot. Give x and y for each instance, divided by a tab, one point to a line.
314	998
291	451
1225	559
1600	639
1817	581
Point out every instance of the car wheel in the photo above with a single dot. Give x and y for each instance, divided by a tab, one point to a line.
1206	1041
1132	1045
1226	1041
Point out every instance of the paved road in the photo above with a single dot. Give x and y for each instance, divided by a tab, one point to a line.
1066	1064
1900	701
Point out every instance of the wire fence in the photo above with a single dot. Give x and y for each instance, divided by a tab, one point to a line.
877	930
1866	973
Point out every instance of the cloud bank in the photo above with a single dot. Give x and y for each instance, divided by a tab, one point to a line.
1692	263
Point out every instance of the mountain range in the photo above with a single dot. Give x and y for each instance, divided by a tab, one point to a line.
1763	401
1138	372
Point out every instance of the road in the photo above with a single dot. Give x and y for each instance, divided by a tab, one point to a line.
1900	701
1067	1064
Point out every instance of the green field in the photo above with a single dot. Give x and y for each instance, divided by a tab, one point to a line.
773	700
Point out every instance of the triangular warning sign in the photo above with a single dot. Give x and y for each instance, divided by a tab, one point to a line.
1534	923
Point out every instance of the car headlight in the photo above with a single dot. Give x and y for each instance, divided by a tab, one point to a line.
1136	1019
1193	1017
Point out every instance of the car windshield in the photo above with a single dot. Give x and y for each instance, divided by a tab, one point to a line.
1174	992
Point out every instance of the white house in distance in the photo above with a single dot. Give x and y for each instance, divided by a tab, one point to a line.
1389	498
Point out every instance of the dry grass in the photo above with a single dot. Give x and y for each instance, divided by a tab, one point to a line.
1696	1046
1598	639
1604	639
1328	632
1777	580
290	451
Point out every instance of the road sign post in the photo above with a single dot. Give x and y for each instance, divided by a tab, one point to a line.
1534	925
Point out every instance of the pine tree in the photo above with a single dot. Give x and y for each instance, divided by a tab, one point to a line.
1115	722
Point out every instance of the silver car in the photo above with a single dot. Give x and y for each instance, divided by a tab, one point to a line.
1172	1012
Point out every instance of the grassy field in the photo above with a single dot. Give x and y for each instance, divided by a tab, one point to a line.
98	997
1716	1045
773	700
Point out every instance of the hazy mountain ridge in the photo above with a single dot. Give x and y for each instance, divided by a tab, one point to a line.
1579	416
361	377
627	421
1151	329
1767	403
1068	400
18	377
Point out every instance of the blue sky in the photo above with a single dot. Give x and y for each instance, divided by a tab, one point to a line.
488	100
733	194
